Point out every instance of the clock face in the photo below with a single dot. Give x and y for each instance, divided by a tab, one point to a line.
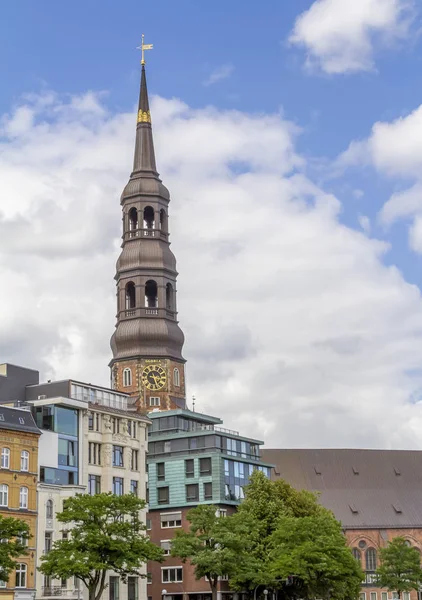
154	377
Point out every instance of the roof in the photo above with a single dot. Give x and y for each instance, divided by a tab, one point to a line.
17	419
363	488
184	412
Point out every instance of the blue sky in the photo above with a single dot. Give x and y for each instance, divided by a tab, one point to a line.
298	123
79	46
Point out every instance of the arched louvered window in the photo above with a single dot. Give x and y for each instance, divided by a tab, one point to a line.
127	378
371	559
176	377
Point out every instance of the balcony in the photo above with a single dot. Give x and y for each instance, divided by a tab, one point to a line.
370	579
145	233
134	313
55	591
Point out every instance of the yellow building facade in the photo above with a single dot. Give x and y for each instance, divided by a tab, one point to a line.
19	438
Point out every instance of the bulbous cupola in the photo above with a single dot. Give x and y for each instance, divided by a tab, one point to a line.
147	328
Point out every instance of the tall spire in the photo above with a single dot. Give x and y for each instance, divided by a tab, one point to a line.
147	343
144	159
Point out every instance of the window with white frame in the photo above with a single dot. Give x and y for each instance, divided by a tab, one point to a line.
24	460
21	569
49	509
5	458
171	574
4	495
127	377
23	497
171	520
3	583
166	547
176	377
373	596
154	401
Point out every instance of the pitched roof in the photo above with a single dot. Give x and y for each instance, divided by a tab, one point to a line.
17	420
363	488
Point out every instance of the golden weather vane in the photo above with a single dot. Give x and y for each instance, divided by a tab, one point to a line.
142	48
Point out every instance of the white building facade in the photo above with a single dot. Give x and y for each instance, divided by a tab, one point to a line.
91	442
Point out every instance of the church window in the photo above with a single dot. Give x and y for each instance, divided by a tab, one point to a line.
176	377
149	217
130	295
133	219
169	297
127	378
151	299
163	220
371	559
356	554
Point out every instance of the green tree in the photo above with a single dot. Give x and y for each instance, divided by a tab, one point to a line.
13	535
400	567
106	535
214	545
311	554
265	503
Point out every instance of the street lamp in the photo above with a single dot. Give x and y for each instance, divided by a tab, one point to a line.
163	594
265	594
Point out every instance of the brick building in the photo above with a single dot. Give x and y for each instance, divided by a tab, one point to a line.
375	494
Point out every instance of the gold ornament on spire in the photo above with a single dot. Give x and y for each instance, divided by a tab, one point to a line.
142	48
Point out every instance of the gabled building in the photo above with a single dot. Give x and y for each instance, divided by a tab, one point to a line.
375	494
192	460
19	438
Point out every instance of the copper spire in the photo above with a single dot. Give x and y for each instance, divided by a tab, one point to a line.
144	159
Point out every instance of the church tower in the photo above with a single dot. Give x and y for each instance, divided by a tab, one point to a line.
147	343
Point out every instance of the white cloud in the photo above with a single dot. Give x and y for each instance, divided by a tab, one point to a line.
394	149
296	331
219	73
342	36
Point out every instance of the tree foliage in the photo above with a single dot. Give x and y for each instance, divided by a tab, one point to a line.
280	539
12	533
214	545
313	550
400	567
106	535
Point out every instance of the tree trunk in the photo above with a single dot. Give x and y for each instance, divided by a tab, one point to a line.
214	592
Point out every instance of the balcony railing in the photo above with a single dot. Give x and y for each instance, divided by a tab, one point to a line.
370	578
54	591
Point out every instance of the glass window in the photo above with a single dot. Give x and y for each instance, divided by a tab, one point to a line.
208	491
24	460
134	487
5	458
66	421
166	547
118	486
48	541
132	588
356	554
94	484
3	583
374	596
205	466
192	492
67	453
161	471
23	497
371	559
91	422
49	509
163	495
384	596
21	569
226	468
113	588
117	456
190	467
154	401
176	377
172	574
134	465
4	495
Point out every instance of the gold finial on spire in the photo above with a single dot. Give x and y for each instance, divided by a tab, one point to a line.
142	48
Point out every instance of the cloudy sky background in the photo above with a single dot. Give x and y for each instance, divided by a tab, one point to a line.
296	221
